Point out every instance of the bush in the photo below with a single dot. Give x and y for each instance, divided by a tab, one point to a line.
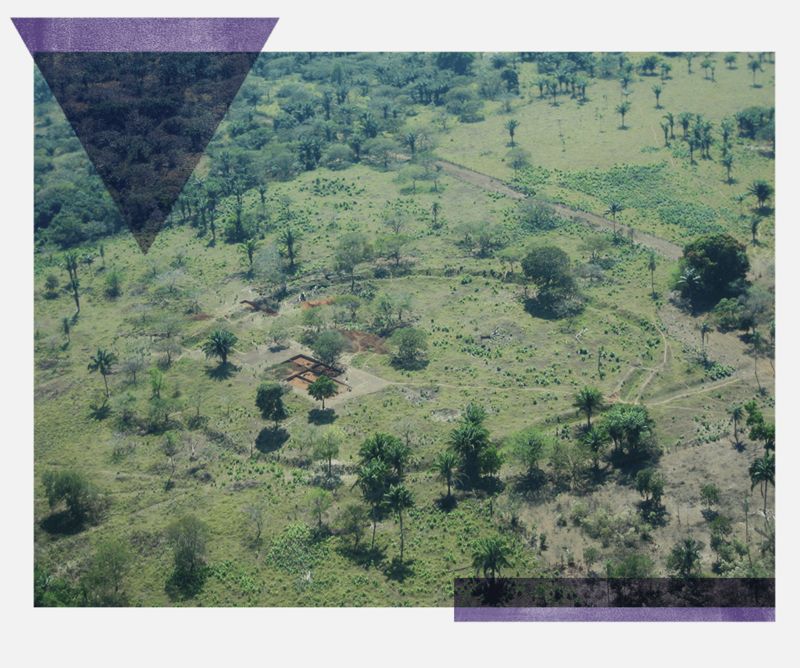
81	500
411	347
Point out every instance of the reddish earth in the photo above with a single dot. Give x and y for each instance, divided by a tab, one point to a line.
317	302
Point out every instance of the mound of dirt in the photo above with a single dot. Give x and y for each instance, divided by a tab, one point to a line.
363	341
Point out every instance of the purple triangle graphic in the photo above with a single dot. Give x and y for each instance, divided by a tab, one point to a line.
144	111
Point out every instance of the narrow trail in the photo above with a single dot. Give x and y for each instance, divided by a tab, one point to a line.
699	390
654	371
661	246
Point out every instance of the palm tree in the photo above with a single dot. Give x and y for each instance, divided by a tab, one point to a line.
373	481
289	240
727	163
665	130
622	109
399	499
657	90
490	556
754	66
669	117
762	473
65	328
613	209
595	440
248	249
737	415
588	400
685	120
705	330
446	467
756	346
651	265
684	559
730	60
511	125
220	344
761	190
103	362
435	210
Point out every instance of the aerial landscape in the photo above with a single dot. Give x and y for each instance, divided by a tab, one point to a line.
414	317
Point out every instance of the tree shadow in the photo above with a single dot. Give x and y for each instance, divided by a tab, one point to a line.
221	371
363	555
709	514
99	412
398	570
318	416
531	486
61	524
326	481
653	512
446	503
270	439
415	365
182	588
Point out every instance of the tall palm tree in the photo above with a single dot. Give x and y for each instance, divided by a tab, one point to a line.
399	499
657	90
705	330
670	119
754	67
446	467
613	209
435	210
651	266
756	346
248	249
490	556
373	481
288	238
220	344
511	125
103	362
588	400
622	109
737	415
727	163
762	473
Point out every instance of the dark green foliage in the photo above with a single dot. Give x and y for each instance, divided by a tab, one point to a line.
718	264
220	344
104	580
81	501
322	388
188	537
328	346
411	346
490	555
269	400
630	429
684	558
470	441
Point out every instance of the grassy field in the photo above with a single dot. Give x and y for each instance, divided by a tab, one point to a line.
484	347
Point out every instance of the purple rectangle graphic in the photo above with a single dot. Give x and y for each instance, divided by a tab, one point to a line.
127	35
489	614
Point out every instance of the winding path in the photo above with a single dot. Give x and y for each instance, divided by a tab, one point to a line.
661	246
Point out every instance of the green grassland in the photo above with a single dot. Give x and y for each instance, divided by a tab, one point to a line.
484	347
